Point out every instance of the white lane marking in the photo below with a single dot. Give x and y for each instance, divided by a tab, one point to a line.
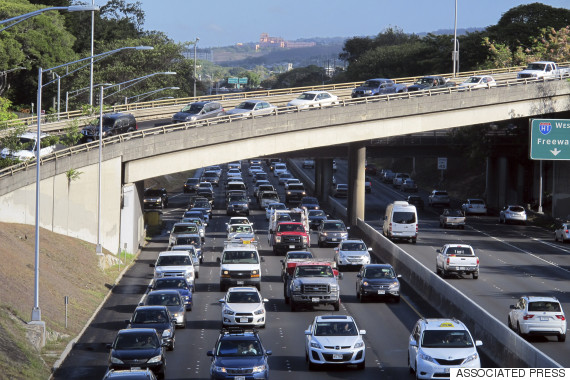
523	251
552	245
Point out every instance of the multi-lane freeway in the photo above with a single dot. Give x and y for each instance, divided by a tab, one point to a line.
514	259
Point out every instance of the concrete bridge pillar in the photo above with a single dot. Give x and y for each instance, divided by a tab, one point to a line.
318	178
326	173
356	169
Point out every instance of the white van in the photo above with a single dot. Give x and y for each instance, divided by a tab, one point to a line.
401	221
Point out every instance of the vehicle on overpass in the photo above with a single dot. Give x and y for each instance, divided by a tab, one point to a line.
313	99
378	86
252	107
431	82
198	111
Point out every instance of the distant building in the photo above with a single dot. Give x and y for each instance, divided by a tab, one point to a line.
265	40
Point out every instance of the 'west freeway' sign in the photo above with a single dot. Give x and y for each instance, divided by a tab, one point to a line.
549	139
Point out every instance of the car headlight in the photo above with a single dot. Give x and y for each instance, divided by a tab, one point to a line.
344	234
395	284
220	369
426	357
259	311
296	288
156	359
471	358
334	288
278	239
324	234
166	333
315	344
259	368
115	360
229	312
359	344
191	118
365	283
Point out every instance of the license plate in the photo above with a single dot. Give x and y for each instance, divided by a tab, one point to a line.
239	378
461	268
136	368
240	282
334	239
381	292
243	320
292	246
544	318
315	299
246	241
337	356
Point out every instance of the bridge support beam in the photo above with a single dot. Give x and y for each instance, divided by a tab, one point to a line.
356	168
323	178
318	179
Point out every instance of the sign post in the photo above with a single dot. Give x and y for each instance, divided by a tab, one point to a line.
442	165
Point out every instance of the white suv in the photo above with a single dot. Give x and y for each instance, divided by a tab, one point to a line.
334	339
352	253
28	150
243	306
538	316
438	344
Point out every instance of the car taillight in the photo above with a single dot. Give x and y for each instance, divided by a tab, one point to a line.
448	261
561	317
477	261
528	316
416	228
136	127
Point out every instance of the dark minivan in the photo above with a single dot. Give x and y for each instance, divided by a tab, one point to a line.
113	124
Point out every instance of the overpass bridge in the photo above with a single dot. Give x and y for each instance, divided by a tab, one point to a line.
70	207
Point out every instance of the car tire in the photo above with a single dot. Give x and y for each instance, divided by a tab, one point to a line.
361	366
312	366
475	275
509	324
562	337
337	305
397	299
518	330
410	369
414	240
171	346
556	238
293	306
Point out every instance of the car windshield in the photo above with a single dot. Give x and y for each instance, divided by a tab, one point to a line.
296	217
166	261
243	297
336	329
136	342
239	257
307	96
170	283
284	218
150	316
316	213
191	181
278	206
188	240
334	226
544	306
241	228
379	273
425	81
476	202
472	80
170	299
184	229
239	347
454	213
404	217
192	108
517	209
299	255
310	201
371	83
460	251
446	339
237	198
314	271
153	193
353	246
246	106
285	227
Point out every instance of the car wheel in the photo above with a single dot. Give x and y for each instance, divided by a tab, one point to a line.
443	273
509	323
320	244
409	364
361	366
397	299
561	337
171	346
312	366
361	297
293	306
414	240
518	330
475	275
556	237
337	305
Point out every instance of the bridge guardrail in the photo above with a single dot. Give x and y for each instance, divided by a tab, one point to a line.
231	118
250	94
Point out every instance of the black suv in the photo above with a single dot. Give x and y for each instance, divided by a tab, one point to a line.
155	198
113	124
239	352
155	317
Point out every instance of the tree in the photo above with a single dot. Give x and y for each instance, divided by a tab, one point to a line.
303	76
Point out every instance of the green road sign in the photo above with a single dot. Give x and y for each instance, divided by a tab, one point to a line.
242	80
550	139
233	80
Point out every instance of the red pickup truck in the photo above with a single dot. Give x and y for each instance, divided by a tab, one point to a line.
289	236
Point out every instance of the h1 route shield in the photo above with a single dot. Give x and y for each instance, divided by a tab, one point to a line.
549	139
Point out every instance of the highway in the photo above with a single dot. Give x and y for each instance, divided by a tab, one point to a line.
388	325
516	260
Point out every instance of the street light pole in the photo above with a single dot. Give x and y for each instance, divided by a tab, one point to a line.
99	247
195	58
92	53
455	52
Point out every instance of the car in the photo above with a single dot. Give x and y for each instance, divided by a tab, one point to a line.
352	253
431	82
279	168
155	317
27	147
239	353
199	223
195	253
214	168
234	165
370	169
512	214
254	169
288	181
170	298
340	190
113	124
283	176
309	203
134	348
334	339
334	166
237	204
191	185
238	220
316	217
562	233
262	186
155	198
378	86
439	198
478	81
388	176
399	179
538	315
377	281
211	176
241	231
313	99
181	228
197	214
293	256
438	344
243	306
401	221
417	201
239	264
474	206
178	283
367	185
308	163
206	211
252	107
272	207
266	197
452	217
332	232
409	185
294	192
130	374
197	111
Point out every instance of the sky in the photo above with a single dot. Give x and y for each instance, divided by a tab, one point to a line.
224	22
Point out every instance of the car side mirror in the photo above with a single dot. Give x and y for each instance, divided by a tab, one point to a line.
438	250
348	228
268	352
262	259
265	300
399	276
108	346
362	332
218	260
209	353
127	321
413	343
281	261
478	343
358	275
141	303
307	332
512	307
340	276
151	265
369	249
221	300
